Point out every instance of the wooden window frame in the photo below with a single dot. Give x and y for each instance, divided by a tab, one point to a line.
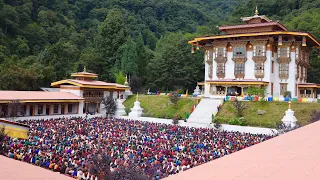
239	52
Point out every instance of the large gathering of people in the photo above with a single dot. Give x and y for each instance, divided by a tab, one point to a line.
160	150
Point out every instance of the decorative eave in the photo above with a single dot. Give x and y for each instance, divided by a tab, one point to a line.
237	82
68	81
198	40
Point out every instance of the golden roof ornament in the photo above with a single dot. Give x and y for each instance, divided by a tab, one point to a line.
256	13
84	69
137	96
289	104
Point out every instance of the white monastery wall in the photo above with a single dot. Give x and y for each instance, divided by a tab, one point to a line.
229	66
214	65
292	75
249	66
75	92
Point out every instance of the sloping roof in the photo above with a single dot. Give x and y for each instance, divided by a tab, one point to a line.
84	74
310	85
17	170
84	83
50	89
222	28
204	39
294	155
256	16
36	95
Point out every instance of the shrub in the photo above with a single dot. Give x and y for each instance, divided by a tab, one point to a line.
180	91
287	94
240	107
256	91
237	121
127	110
175	120
120	77
174	100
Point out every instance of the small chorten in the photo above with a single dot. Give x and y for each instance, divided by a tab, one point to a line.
289	120
197	91
120	107
136	111
126	82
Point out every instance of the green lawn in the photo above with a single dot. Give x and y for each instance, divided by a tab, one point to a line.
274	112
161	107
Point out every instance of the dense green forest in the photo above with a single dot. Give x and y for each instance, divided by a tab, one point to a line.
42	41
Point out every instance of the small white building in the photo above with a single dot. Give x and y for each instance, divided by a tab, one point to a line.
259	52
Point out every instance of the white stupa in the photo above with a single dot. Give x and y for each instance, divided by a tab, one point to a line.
136	111
127	92
120	107
289	120
197	91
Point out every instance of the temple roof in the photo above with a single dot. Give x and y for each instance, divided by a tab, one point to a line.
34	96
202	41
254	25
84	79
90	84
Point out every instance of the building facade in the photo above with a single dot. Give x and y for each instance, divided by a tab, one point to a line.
70	97
259	52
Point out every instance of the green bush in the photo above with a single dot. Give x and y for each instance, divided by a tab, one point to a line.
237	121
127	110
180	91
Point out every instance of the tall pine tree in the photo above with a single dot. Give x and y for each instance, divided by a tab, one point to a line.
111	35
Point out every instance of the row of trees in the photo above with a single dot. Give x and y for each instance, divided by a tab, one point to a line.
43	41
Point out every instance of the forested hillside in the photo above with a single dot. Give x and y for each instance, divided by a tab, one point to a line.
42	41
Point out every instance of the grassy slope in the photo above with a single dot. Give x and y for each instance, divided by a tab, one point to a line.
274	112
160	106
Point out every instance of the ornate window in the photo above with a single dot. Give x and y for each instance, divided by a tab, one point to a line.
283	88
284	71
220	70
220	52
221	59
297	53
297	71
259	69
209	61
259	51
239	52
283	52
239	69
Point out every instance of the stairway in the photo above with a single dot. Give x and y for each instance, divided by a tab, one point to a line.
203	113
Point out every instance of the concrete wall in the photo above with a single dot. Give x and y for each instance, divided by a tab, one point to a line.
226	127
75	92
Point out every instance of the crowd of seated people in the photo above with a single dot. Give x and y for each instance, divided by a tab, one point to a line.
67	145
